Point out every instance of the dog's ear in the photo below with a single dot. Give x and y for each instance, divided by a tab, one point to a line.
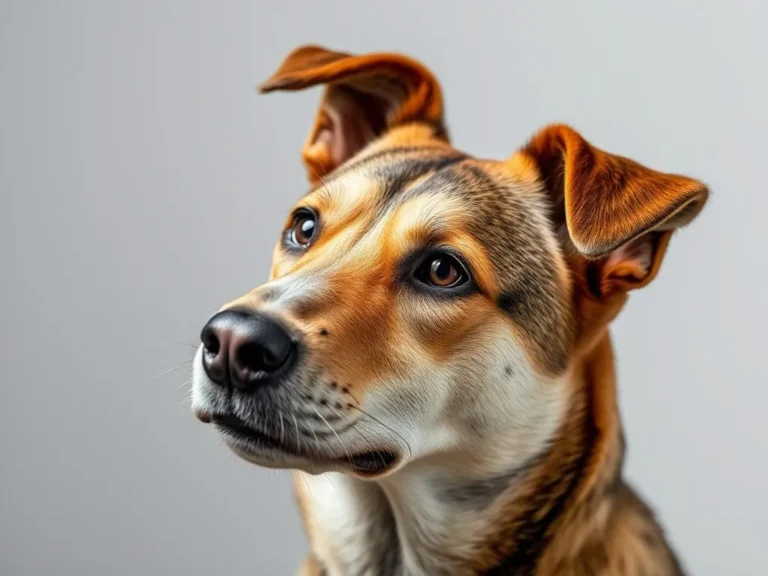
619	215
364	97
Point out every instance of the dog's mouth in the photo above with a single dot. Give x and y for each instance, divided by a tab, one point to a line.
373	463
233	427
366	464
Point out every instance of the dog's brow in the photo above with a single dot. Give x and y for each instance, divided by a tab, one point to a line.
398	175
387	155
398	165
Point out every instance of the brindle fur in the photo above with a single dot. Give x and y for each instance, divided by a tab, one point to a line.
557	234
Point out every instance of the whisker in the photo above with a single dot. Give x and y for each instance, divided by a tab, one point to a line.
187	382
365	439
187	363
395	432
324	433
195	346
298	438
310	415
317	448
282	428
337	436
317	442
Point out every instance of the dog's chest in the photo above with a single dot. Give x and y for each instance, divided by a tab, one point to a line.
362	528
351	527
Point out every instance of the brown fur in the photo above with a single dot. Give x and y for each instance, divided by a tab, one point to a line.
556	236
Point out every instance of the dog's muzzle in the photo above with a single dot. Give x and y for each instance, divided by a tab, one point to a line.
255	381
245	350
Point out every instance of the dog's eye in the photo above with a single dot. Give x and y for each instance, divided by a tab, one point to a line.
442	270
303	229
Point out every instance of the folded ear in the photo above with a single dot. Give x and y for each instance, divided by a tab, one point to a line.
365	96
619	214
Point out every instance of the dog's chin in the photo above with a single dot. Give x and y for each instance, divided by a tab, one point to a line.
265	457
269	452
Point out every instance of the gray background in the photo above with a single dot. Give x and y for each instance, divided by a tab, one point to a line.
143	184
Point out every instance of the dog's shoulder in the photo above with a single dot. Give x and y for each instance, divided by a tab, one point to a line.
631	543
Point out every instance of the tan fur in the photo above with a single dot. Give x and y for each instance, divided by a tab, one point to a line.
555	237
605	530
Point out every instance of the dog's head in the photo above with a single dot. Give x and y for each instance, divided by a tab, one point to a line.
422	301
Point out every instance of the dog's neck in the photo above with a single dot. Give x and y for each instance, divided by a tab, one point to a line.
433	519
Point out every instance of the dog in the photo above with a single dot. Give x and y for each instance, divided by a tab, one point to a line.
431	353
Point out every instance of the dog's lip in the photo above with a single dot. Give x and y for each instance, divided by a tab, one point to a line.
203	416
367	464
376	463
234	426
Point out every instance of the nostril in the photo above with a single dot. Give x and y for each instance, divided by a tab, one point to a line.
243	349
247	356
269	360
256	359
211	342
215	338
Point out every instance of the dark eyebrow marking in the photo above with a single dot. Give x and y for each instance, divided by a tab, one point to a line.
451	180
399	174
422	153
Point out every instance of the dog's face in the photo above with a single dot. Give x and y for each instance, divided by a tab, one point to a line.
422	301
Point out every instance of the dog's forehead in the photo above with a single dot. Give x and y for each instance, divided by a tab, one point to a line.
439	190
371	186
398	200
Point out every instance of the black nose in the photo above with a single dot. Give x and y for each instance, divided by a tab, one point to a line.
244	349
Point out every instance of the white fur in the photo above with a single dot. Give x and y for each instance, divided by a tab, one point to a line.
521	414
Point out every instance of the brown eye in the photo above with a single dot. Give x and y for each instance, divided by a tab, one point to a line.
443	271
303	229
